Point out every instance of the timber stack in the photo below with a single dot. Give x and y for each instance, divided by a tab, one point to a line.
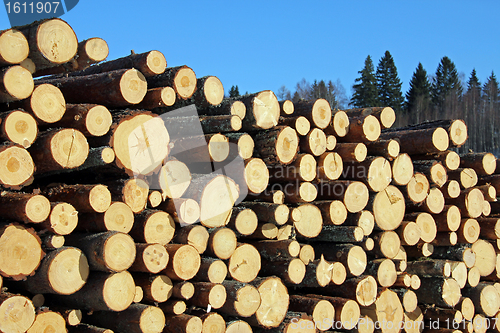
123	212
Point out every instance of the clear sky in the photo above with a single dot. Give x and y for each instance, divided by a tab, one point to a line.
261	45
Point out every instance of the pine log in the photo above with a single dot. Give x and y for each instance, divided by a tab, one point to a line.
402	169
314	142
485	257
363	129
354	194
375	172
19	127
483	163
194	235
351	152
243	221
387	244
444	292
184	262
17	242
339	234
420	250
306	253
333	212
409	233
408	299
90	119
14	47
273	250
156	288
51	241
216	195
19	313
302	169
117	88
213	322
449	219
222	243
118	217
467	308
159	97
173	306
208	294
460	252
274	302
29	65
183	290
24	207
63	271
387	311
245	263
154	199
469	231
46	103
385	115
91	51
467	177
419	141
174	179
278	145
110	251
363	219
385	148
384	270
183	323
362	289
485	298
330	166
322	311
48	320
426	223
339	125
72	317
300	123
434	171
138	318
86	328
103	291
59	149
85	198
451	189
318	112
450	159
470	202
287	107
16	166
353	257
300	192
290	271
430	267
181	78
148	63
185	212
150	258
388	207
153	226
228	106
16	83
310	222
211	270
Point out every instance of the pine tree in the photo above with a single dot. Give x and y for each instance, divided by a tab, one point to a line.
418	97
388	83
446	84
234	91
365	92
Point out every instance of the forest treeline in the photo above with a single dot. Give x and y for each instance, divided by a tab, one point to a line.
443	95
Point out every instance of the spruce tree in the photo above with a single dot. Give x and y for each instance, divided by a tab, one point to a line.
365	90
491	93
388	83
446	83
234	91
418	96
473	91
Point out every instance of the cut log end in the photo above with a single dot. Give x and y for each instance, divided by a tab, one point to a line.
213	90
56	41
14	47
133	86
185	82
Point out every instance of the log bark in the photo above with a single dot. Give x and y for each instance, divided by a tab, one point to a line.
385	115
183	290
90	119
208	294
156	288
160	97
63	271
138	318
385	148
384	270
300	123
363	219
322	311
419	141
24	207
483	163
444	292
183	323
352	152
181	78
85	198
211	270
112	89
333	212
302	169
354	194
363	129
153	226
353	257
45	49
291	271
118	217
269	212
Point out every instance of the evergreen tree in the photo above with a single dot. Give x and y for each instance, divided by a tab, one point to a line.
491	94
234	91
388	83
446	84
365	91
473	94
418	96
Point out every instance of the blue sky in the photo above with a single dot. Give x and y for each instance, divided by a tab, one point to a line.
261	45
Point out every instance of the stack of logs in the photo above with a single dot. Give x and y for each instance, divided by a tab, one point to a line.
113	220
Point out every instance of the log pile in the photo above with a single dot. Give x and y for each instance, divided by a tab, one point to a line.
122	214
